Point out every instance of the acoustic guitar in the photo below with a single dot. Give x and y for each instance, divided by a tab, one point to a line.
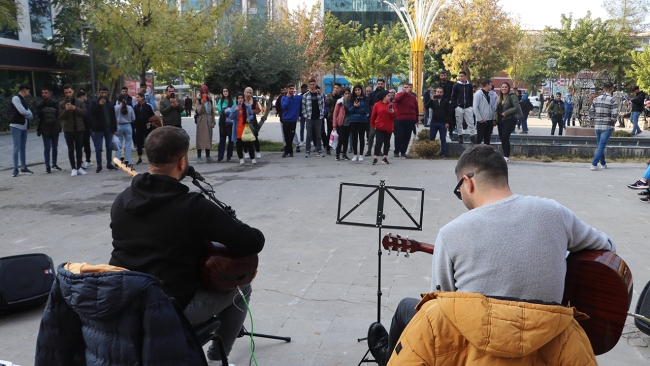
220	268
597	283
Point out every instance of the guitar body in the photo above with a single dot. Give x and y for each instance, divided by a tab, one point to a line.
599	284
223	270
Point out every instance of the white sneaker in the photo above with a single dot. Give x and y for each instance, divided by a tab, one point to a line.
73	173
595	168
81	171
603	166
507	159
241	161
360	158
258	156
86	164
254	161
354	158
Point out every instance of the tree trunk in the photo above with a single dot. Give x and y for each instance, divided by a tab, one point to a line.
269	103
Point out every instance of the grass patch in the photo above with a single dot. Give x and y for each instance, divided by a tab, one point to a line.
621	133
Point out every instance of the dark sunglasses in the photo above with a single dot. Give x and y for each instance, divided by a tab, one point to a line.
460	183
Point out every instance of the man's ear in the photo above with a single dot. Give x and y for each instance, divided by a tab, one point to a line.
182	163
471	187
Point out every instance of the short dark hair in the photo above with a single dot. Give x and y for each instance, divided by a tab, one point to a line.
443	72
143	85
125	88
68	86
337	84
103	88
636	87
170	86
46	88
608	85
462	73
380	79
141	94
291	86
81	93
166	145
486	82
487	164
303	86
312	80
23	87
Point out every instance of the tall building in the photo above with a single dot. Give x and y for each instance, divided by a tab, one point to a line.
364	12
271	9
23	59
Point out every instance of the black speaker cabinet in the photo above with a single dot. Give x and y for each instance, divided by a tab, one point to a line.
643	308
25	280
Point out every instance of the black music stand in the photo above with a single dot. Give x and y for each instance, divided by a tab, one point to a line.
382	189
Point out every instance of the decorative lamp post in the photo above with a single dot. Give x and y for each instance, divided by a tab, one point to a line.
417	26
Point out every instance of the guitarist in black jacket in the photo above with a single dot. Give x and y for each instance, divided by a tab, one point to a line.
160	228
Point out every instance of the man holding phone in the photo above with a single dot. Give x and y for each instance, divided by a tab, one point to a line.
72	112
104	126
170	109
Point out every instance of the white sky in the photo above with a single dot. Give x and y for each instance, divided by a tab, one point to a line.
534	14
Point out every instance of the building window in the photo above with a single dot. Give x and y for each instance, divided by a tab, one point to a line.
5	32
40	18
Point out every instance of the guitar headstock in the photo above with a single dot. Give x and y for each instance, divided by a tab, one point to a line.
125	166
399	244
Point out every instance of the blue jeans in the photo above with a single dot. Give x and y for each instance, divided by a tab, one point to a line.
434	128
222	146
647	173
20	142
98	138
524	124
634	118
602	136
124	132
567	117
50	142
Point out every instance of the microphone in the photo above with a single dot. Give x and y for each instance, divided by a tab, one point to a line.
191	172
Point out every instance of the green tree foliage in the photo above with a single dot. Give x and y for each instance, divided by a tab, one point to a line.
373	58
640	69
587	43
304	27
258	55
9	15
527	64
631	14
140	34
479	34
336	36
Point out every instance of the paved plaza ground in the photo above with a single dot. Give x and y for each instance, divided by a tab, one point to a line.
317	280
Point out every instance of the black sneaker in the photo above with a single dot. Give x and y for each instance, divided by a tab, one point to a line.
337	158
639	184
291	155
396	155
99	169
110	167
56	167
140	161
297	149
48	170
374	161
405	156
645	192
645	199
385	161
285	155
345	157
26	171
329	152
367	154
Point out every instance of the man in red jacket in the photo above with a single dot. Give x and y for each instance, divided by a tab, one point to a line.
407	112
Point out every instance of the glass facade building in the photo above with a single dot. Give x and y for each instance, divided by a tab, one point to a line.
367	13
40	19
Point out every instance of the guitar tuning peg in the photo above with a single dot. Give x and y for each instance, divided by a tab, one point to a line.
408	251
399	250
390	238
399	241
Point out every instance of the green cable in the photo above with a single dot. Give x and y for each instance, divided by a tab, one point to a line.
252	327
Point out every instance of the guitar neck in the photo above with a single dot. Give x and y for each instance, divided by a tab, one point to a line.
125	168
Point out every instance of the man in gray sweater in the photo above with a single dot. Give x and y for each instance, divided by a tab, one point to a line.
486	251
171	109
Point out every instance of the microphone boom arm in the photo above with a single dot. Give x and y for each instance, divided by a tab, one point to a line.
210	194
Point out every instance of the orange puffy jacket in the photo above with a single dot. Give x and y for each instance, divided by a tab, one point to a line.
456	328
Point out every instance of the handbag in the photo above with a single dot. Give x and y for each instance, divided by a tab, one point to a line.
334	139
248	135
116	145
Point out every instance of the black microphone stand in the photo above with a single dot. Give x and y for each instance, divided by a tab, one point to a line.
214	322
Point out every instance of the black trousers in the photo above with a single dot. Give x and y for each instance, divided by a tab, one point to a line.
86	144
344	138
325	137
556	121
188	112
358	134
141	134
74	141
289	130
241	145
382	138
484	131
505	130
403	314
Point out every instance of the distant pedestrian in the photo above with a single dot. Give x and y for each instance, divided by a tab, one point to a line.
638	104
291	108
304	88
441	115
88	123
19	117
255	107
507	107
313	107
603	111
148	97
72	112
568	109
171	109
242	115
330	103
341	124
188	106
129	99
484	112
224	106
204	124
447	87
526	107
461	101
49	127
406	113
383	121
426	97
540	99
125	117
556	111
143	112
103	128
372	99
359	112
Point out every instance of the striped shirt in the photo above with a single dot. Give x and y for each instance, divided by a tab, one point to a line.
604	112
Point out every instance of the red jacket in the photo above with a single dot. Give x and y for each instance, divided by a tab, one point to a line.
407	107
382	119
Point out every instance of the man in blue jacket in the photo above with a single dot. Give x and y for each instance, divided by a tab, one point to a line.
290	111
